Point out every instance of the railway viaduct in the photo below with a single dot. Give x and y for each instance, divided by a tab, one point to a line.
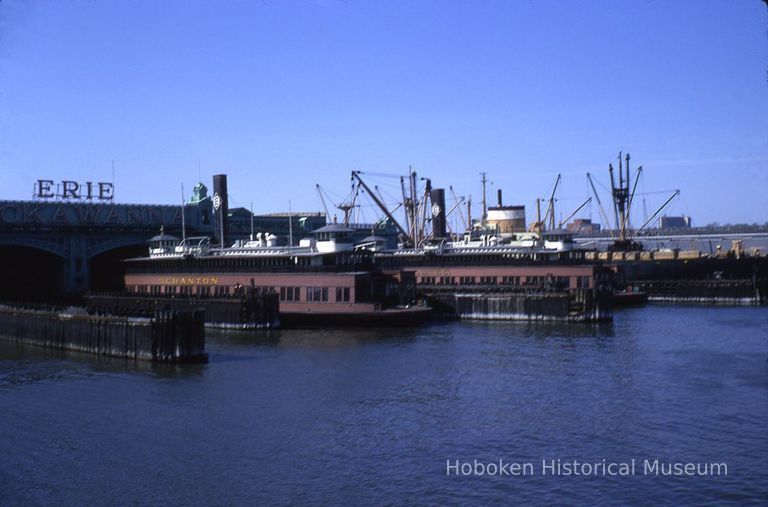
68	246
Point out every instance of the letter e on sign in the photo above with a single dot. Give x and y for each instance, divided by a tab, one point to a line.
44	189
106	191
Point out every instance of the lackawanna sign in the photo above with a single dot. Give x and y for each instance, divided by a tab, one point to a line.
44	189
21	213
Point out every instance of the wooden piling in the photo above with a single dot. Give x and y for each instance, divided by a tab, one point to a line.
166	336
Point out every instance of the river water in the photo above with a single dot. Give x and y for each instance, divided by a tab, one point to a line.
376	417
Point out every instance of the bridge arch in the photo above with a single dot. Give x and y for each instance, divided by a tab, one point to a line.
49	245
30	273
107	268
121	242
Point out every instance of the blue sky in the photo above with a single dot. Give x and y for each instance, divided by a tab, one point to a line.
281	95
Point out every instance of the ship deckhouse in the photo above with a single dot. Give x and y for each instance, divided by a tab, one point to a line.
334	238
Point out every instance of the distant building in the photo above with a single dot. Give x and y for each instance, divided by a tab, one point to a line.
682	222
583	226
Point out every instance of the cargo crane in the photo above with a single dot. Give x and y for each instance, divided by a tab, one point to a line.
623	198
540	225
346	206
422	208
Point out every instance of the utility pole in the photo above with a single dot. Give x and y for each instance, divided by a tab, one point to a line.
290	224
414	214
183	221
252	220
485	204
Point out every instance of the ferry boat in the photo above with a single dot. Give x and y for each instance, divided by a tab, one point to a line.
324	280
518	278
331	279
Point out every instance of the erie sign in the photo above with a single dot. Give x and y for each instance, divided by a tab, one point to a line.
44	189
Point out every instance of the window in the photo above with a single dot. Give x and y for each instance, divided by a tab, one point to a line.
317	294
289	293
342	294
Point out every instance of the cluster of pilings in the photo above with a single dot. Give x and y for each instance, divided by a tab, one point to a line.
576	305
713	292
163	336
251	310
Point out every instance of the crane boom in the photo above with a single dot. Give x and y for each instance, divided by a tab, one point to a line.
576	211
550	214
356	175
322	200
674	194
634	187
603	215
463	219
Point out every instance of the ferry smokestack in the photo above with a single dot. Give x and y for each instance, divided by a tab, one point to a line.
220	205
499	193
437	196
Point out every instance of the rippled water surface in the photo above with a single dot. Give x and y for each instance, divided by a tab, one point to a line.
372	416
